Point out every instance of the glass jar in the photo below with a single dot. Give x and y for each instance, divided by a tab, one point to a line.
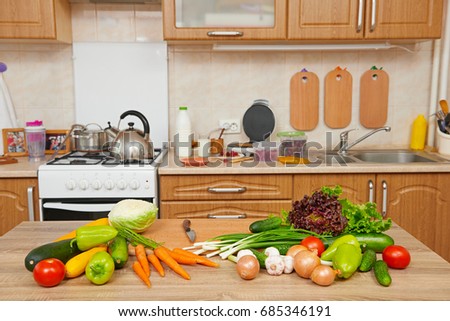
291	143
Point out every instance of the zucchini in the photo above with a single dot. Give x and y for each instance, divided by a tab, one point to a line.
270	223
261	257
368	260
382	273
374	241
62	250
118	248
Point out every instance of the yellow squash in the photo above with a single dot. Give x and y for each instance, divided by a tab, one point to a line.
76	265
73	234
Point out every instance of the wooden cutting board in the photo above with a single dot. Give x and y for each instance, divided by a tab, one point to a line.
338	99
304	91
374	93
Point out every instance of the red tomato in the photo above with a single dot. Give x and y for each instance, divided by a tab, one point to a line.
49	272
313	244
396	256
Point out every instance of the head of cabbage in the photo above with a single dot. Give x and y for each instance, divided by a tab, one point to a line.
136	215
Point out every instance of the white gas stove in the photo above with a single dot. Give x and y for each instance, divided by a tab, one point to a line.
83	186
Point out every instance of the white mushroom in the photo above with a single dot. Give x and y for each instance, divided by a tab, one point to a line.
272	251
288	264
274	265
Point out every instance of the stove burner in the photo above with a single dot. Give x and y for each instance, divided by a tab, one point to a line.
102	158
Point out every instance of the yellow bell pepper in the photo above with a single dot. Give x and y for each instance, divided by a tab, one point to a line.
77	265
73	234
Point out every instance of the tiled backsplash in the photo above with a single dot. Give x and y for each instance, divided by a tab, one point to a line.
214	85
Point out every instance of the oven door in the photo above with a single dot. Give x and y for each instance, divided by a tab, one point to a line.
77	209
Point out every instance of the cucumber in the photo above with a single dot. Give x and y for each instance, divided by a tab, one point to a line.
270	223
374	241
118	248
261	257
62	250
382	273
368	260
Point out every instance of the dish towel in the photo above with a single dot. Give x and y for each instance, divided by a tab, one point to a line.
8	118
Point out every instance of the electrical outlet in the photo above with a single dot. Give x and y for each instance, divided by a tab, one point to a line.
232	126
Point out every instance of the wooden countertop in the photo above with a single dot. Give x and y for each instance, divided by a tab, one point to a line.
173	166
23	168
427	277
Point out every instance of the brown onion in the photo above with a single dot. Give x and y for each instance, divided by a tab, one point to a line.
294	249
323	275
247	267
305	262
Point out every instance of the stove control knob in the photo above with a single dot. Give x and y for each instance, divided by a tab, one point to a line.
84	184
121	184
96	184
134	184
70	184
109	184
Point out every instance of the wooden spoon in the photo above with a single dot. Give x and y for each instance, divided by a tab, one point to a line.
444	106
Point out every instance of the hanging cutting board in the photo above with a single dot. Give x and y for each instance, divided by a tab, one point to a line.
374	93
304	109
338	98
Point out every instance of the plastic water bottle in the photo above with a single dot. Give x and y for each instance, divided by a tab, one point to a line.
35	136
183	136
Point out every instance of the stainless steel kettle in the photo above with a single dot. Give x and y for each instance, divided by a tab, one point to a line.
131	145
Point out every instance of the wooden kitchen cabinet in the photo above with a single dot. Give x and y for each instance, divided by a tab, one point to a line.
224	19
420	204
16	194
36	20
364	19
241	20
216	196
358	188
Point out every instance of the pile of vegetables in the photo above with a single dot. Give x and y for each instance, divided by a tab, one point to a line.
100	247
322	238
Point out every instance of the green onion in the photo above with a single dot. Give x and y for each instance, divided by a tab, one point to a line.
135	238
228	244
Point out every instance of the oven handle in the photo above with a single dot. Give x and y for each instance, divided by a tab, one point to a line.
79	207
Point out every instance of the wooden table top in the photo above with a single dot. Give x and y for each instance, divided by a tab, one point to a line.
427	277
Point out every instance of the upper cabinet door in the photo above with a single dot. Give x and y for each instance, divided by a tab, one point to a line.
326	19
403	19
224	19
35	20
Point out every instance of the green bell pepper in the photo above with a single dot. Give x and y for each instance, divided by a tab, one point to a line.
92	236
100	268
347	259
329	253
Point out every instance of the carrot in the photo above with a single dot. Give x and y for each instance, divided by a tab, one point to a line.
163	255
153	259
181	258
200	259
142	258
137	268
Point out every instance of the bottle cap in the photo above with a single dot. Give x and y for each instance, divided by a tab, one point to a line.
34	123
183	108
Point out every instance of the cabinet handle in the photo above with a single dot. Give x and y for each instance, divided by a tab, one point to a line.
373	20
30	200
227	189
224	33
370	191
227	216
385	196
360	16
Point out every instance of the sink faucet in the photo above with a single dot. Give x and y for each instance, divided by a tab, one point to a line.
345	146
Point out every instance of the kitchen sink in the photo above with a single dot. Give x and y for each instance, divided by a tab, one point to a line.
395	156
378	156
